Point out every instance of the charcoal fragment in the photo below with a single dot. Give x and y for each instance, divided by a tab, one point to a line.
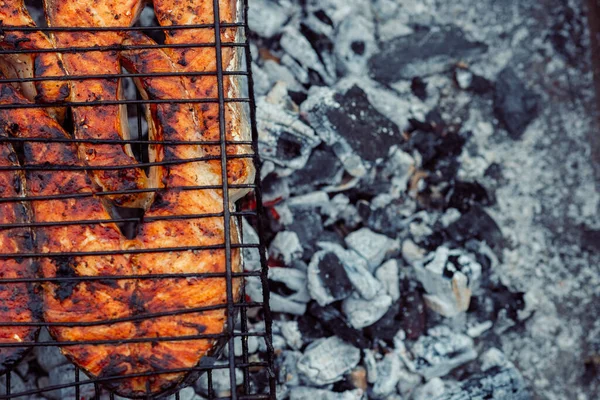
440	351
477	224
515	105
362	313
327	278
335	323
322	169
423	53
327	360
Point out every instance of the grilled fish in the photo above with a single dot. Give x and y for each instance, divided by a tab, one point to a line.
108	122
36	64
195	58
125	309
18	301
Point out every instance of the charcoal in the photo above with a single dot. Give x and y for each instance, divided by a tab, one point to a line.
465	195
267	17
371	365
299	48
277	72
295	282
349	123
262	83
18	385
362	313
239	349
220	381
327	279
407	383
299	72
354	44
449	277
388	375
286	247
327	360
372	246
433	389
312	329
189	393
344	211
285	365
499	380
322	169
48	357
334	322
308	226
476	224
275	189
389	276
412	253
388	218
407	314
308	393
251	254
356	269
291	333
463	77
283	138
419	87
440	351
423	53
62	375
515	105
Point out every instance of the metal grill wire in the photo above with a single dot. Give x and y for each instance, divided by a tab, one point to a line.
263	369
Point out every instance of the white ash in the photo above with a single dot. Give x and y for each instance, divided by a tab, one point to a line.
291	334
389	276
267	17
371	365
327	360
388	375
354	44
432	389
251	255
362	313
277	72
449	278
286	247
294	279
287	368
48	357
298	47
220	381
372	246
442	350
61	375
308	393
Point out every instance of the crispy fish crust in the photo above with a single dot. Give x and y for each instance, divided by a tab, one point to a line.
203	59
134	300
108	122
27	65
18	301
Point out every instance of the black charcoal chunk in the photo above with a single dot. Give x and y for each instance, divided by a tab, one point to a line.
322	169
423	53
334	322
358	133
477	224
515	105
327	278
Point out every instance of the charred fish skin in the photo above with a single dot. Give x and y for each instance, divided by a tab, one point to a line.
105	122
203	59
132	302
19	302
36	64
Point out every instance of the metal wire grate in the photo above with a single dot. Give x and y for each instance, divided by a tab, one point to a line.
236	311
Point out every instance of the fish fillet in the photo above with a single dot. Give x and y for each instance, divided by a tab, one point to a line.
18	301
203	59
108	122
103	301
28	65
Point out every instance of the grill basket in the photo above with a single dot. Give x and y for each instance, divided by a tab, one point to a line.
258	381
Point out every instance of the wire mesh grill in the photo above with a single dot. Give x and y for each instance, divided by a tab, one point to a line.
237	312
